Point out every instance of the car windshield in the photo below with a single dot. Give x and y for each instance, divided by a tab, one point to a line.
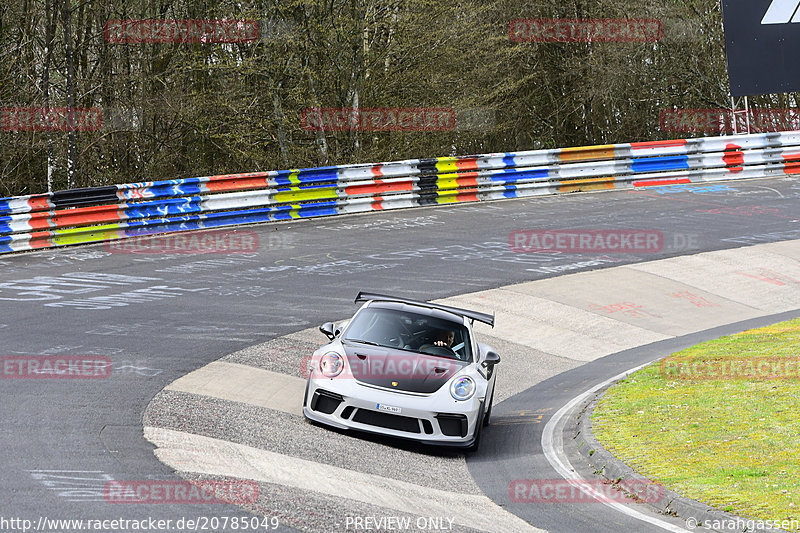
410	331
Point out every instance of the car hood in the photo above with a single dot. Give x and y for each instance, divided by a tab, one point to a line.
399	369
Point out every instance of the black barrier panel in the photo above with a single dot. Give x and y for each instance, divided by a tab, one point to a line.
87	196
426	183
428	166
763	41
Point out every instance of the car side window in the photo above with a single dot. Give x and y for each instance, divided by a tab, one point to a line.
461	345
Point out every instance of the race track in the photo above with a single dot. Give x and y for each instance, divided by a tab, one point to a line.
160	317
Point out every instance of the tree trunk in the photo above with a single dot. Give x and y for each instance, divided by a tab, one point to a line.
50	10
72	152
278	111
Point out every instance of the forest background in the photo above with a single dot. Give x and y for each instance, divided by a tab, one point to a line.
176	109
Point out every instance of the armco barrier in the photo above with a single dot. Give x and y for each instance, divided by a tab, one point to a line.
120	211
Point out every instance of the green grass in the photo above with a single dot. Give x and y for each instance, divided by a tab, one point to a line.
730	442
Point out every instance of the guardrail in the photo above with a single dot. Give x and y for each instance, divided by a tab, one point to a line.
120	211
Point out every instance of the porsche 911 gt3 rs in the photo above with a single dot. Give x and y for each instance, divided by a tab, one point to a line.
405	369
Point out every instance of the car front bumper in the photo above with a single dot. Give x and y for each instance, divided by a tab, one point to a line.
435	419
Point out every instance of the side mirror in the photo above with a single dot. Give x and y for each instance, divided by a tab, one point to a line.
327	329
491	359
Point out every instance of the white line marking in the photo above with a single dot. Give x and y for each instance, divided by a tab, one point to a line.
554	452
781	12
779	193
71	471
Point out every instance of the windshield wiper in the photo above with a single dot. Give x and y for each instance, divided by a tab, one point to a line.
365	342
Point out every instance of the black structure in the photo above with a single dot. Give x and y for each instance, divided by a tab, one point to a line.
763	40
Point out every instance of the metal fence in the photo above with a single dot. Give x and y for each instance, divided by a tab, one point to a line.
121	211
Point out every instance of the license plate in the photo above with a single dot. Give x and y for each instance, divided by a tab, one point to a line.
389	409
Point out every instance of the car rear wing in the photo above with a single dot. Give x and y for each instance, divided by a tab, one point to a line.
474	315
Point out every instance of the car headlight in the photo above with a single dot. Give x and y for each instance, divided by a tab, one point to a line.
331	364
462	388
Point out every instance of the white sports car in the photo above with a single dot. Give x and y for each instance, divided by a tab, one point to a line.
406	369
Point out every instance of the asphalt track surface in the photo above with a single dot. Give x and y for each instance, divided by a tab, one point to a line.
159	317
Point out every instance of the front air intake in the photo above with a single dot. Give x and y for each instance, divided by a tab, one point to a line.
452	425
325	402
385	420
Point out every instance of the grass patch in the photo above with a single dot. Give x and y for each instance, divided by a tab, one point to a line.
720	432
